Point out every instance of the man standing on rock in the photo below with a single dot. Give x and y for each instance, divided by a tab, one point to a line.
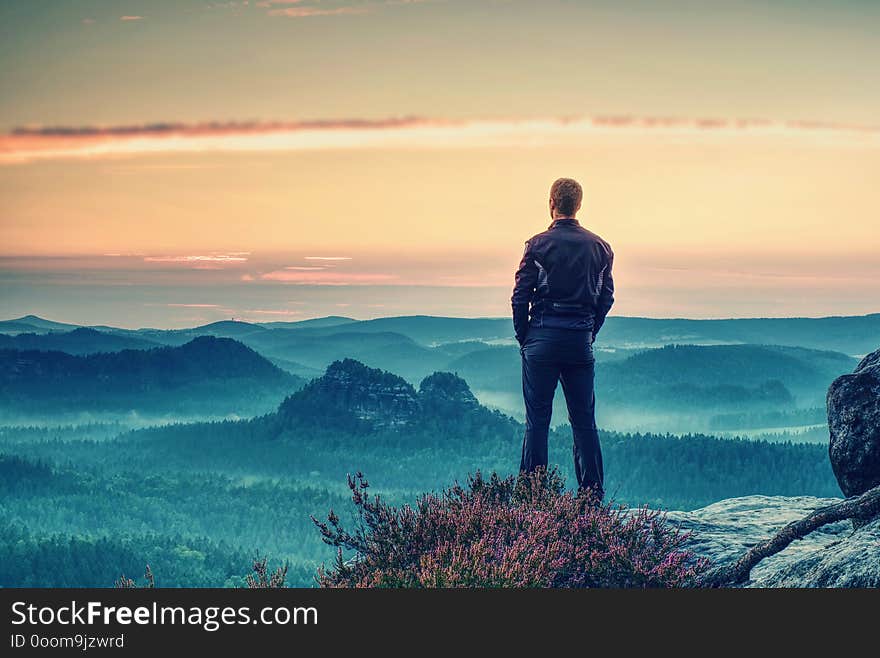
563	292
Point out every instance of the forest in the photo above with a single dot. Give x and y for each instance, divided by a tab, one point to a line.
199	451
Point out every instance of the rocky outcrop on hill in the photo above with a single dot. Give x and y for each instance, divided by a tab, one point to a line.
349	391
370	394
832	556
444	392
854	424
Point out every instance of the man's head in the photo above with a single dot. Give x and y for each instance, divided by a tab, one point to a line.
566	195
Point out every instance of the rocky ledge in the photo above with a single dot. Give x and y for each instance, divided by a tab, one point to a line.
832	556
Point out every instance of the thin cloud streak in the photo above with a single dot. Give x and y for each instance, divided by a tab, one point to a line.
235	257
331	278
193	305
306	12
29	143
261	311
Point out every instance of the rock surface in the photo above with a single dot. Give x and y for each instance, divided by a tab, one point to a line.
854	424
373	395
832	556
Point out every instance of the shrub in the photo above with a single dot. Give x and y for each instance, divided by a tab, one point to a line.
512	532
262	579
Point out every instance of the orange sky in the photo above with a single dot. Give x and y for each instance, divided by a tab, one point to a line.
748	176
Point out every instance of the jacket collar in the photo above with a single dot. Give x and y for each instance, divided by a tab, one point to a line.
567	221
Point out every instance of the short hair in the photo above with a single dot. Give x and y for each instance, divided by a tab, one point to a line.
567	195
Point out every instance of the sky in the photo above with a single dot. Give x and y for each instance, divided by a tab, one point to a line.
170	163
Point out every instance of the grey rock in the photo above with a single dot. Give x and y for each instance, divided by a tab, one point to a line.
832	556
379	397
854	423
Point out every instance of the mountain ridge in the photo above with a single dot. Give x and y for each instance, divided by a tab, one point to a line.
220	370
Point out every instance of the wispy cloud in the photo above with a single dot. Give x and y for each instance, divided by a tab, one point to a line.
305	12
30	143
232	257
131	18
87	21
329	278
266	311
328	258
193	305
214	128
307	8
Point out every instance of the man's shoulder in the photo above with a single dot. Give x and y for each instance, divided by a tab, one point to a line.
587	236
595	237
537	237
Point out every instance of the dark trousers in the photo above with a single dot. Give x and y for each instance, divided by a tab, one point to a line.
550	355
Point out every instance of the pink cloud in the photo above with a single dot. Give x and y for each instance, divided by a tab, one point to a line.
306	268
28	143
261	311
87	21
234	257
328	257
131	18
305	12
329	278
193	305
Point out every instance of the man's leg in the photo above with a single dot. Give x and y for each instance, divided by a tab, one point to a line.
577	384
539	377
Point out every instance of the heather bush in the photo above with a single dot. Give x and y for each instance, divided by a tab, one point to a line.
262	579
525	531
123	582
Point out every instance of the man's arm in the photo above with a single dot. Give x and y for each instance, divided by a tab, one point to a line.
523	292
606	295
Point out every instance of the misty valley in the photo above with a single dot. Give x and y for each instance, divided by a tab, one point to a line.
198	450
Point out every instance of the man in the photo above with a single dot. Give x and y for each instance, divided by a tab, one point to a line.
563	292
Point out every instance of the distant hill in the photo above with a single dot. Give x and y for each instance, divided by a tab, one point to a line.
804	372
212	375
848	334
225	329
853	335
388	350
33	324
429	330
678	388
313	323
79	341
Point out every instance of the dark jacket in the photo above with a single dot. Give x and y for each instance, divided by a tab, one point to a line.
563	281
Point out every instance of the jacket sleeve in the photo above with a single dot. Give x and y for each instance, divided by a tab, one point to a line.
523	292
606	295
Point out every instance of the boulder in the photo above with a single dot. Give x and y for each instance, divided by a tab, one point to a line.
854	424
831	556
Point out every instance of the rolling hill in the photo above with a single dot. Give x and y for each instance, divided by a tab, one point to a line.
33	324
79	341
207	375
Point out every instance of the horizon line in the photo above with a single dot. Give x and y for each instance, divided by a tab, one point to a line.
436	317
